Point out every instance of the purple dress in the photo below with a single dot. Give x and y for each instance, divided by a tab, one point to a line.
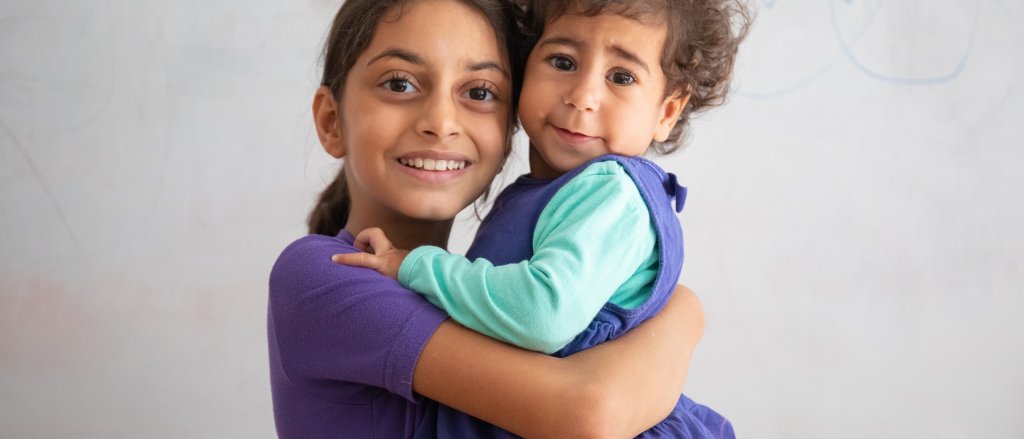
505	237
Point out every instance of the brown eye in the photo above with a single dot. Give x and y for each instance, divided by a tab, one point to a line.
621	78
399	85
480	94
562	63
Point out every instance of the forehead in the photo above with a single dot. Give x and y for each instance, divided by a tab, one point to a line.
606	30
437	30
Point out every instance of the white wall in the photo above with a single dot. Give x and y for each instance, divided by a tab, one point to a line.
853	225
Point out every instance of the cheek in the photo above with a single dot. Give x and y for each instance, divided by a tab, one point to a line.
538	92
362	154
633	128
531	113
375	123
368	127
490	145
486	129
488	134
529	101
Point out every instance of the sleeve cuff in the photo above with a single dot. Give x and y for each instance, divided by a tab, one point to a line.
406	272
405	353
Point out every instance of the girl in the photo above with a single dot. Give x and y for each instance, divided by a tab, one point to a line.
604	82
349	347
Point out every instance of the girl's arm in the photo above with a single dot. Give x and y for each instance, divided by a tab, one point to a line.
616	389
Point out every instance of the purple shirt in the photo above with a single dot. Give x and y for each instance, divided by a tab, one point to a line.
343	344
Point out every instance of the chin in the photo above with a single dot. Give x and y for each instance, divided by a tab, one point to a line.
438	205
433	213
563	165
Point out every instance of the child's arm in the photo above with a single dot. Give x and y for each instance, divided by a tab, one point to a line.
615	389
592	237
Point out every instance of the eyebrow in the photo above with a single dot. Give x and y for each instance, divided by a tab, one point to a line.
485	65
412	58
614	49
629	56
403	55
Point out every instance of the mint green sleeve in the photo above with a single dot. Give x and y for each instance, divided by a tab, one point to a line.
593	235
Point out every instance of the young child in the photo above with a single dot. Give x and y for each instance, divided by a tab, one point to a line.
588	245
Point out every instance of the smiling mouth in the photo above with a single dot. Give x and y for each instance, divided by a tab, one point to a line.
433	164
572	136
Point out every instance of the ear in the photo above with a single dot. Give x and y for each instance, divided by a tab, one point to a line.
671	108
326	116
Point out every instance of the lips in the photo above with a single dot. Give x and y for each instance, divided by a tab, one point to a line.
572	137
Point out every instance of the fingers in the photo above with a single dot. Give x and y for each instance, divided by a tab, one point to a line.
373	240
366	260
375	247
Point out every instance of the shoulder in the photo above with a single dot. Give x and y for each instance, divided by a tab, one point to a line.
311	246
602	194
605	180
308	250
305	265
606	166
305	283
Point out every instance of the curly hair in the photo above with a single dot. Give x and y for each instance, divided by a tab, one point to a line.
700	47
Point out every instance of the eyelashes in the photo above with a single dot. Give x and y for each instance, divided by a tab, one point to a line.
483	91
398	83
621	77
617	76
562	62
479	94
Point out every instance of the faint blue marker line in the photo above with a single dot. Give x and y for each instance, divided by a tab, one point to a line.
930	80
820	73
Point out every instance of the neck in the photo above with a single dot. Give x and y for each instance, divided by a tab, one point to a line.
404	232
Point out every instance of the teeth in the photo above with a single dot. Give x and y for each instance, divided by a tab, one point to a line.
432	164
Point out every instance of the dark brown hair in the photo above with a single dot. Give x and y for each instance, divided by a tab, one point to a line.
351	32
700	47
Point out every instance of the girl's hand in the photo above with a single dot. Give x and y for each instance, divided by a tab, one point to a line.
378	253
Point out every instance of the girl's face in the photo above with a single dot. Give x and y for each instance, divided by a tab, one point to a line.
424	115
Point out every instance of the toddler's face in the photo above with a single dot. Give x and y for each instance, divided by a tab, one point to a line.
594	86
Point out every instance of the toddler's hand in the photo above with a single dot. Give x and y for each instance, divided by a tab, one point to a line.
378	253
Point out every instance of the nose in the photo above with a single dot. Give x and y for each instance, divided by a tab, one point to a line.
439	118
585	92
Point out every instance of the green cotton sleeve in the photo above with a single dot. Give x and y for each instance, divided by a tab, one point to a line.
592	237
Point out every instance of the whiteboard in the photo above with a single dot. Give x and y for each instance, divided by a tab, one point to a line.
853	224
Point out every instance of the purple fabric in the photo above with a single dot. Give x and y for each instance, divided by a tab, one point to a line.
505	236
343	344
